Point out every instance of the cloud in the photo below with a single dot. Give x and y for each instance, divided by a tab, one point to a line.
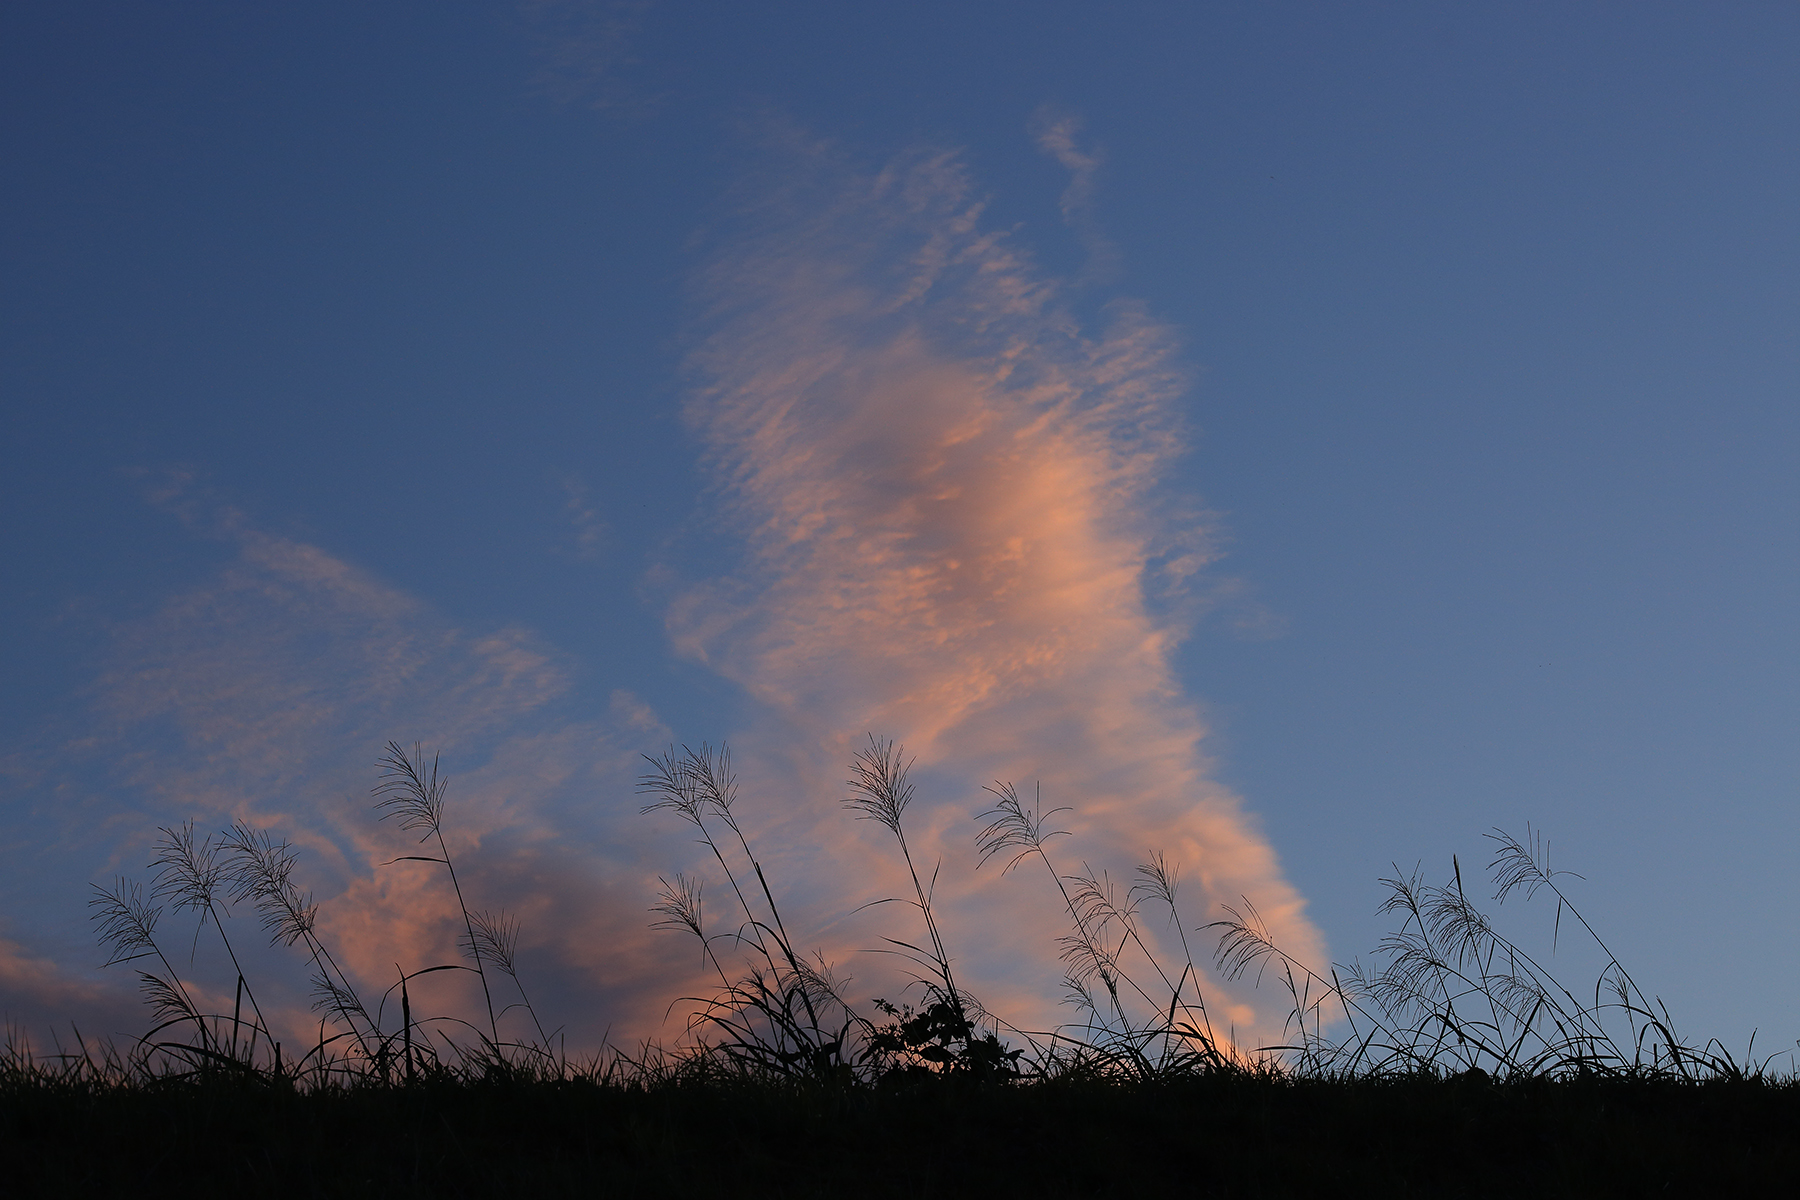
266	694
957	529
40	999
589	527
959	533
1058	134
585	50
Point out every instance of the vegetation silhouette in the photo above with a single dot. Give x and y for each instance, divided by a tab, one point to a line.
1455	1039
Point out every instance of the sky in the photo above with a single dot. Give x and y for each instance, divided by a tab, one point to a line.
1298	438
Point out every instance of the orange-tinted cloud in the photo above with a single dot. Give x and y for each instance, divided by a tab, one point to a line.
266	694
959	534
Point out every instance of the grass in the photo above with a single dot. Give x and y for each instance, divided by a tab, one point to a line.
730	1133
1458	1063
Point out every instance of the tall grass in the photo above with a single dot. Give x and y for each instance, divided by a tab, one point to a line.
1126	1027
1447	993
1450	994
779	1011
206	875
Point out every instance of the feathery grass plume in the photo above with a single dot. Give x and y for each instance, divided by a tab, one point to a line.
192	877
943	1036
759	1016
682	907
880	791
1012	825
771	1017
207	875
1447	962
1089	952
1245	943
1171	1034
695	786
127	921
1525	865
495	936
128	926
261	871
1452	994
1107	930
1449	994
168	1000
188	871
1158	881
411	794
414	795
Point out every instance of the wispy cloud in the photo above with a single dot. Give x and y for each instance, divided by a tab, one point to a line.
265	694
588	526
958	531
45	1004
585	51
1058	134
959	534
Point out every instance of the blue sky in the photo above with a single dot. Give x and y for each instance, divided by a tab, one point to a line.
412	371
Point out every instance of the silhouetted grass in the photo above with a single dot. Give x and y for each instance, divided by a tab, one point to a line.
1457	1064
1237	1133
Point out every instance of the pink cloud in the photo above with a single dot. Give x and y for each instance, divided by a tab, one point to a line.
42	999
958	532
959	535
265	694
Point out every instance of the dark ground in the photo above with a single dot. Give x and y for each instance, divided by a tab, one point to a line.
1224	1137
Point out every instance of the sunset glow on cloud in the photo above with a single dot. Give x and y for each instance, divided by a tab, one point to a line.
949	499
265	696
1283	440
957	540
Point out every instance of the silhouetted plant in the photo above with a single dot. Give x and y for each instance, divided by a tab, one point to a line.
206	875
1449	994
261	872
943	1036
782	1012
775	1015
1160	1037
1453	995
938	1040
